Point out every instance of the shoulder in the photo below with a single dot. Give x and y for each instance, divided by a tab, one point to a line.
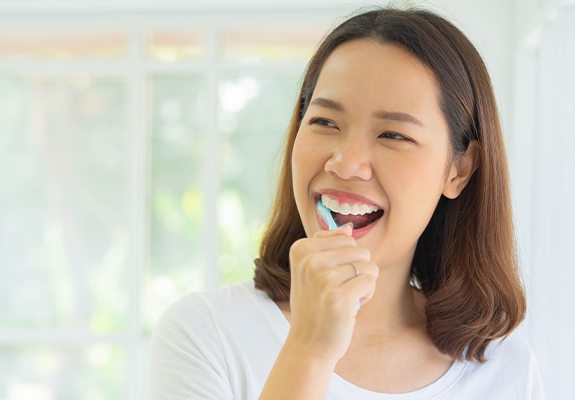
209	344
190	352
202	312
513	349
510	371
511	368
220	296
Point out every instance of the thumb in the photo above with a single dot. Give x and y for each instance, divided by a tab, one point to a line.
346	228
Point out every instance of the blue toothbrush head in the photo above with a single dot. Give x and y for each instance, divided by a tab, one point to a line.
326	215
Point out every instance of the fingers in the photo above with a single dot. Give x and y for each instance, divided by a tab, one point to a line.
363	268
338	256
345	229
342	273
323	264
361	287
325	240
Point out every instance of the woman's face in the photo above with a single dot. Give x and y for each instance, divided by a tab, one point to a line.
396	159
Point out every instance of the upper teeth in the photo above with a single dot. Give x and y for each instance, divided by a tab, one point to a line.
345	208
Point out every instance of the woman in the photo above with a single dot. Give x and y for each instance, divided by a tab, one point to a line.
395	133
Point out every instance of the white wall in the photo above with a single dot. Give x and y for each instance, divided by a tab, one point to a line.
487	24
544	181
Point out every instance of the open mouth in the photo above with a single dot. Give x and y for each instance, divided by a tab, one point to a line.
358	221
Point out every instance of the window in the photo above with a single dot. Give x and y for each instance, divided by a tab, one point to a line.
135	168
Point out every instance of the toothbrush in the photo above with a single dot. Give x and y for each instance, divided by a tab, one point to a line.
328	218
326	214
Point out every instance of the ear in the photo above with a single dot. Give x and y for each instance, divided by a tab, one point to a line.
461	170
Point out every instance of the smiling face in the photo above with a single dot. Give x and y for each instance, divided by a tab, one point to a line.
380	134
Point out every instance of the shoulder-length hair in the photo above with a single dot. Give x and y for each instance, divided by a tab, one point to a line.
466	260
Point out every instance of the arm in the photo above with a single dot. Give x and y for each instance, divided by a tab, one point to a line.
184	360
298	375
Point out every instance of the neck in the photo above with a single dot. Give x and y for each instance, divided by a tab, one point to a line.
395	308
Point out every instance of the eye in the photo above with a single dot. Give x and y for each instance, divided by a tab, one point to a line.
397	135
322	120
325	122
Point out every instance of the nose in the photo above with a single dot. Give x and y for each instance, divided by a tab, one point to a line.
351	161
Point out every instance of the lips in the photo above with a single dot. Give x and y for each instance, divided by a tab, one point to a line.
346	197
356	233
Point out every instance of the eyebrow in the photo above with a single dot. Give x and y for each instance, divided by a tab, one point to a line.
391	115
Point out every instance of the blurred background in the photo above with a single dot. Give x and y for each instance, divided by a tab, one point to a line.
139	148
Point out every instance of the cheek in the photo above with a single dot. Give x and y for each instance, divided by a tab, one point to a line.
420	178
306	144
303	162
306	156
413	185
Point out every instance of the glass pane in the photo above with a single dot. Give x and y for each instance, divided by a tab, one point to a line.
64	202
94	372
255	45
254	113
63	46
177	203
175	46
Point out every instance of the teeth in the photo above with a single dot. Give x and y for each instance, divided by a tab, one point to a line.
345	208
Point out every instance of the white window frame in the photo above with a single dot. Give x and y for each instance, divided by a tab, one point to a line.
134	69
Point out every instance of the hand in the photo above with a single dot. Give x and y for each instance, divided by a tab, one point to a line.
324	290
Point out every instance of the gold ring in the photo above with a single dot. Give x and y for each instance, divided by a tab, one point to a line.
355	270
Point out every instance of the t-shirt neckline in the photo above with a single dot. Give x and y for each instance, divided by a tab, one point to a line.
281	327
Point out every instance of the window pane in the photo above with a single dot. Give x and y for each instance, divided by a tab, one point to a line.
254	113
175	46
63	46
64	235
94	372
254	45
177	202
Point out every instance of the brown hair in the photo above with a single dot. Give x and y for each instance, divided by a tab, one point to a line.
465	260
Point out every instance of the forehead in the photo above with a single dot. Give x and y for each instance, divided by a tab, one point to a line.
364	73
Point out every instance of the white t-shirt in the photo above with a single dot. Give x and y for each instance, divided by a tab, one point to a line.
222	343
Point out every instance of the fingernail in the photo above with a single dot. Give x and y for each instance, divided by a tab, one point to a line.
350	224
